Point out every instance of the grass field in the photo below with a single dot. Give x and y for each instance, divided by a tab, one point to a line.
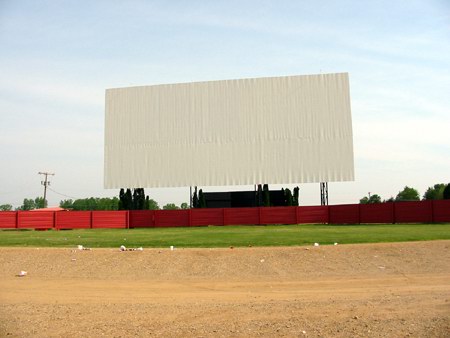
219	236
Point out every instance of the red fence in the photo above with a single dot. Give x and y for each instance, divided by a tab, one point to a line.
399	212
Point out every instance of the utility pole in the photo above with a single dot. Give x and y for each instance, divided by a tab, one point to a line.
45	183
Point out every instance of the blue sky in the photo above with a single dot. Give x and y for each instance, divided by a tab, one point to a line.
58	57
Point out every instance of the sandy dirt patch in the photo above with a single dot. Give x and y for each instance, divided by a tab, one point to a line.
367	290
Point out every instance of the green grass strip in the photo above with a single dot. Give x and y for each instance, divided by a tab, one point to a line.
225	236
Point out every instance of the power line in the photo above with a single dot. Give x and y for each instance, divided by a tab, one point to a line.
58	193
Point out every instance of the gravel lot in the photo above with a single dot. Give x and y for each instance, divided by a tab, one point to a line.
365	290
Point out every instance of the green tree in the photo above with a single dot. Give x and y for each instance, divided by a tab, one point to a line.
85	204
259	196
91	203
364	200
66	204
435	192
40	203
6	207
170	206
266	195
184	206
122	199
370	200
128	205
408	194
195	199
446	193
30	204
134	200
296	196
288	197
138	199
107	203
152	204
141	199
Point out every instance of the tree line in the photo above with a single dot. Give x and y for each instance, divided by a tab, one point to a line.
128	200
137	200
438	191
28	204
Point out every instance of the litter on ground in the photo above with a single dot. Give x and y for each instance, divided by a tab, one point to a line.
123	248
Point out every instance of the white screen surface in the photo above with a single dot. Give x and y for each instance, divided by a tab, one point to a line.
280	130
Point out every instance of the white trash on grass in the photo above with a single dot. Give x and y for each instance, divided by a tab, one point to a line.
316	244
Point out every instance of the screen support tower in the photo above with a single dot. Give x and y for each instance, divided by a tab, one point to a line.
323	193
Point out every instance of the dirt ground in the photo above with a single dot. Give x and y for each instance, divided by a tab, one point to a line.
366	290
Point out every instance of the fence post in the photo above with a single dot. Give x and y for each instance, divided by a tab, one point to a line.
432	211
259	215
128	219
54	220
393	213
17	219
91	219
359	213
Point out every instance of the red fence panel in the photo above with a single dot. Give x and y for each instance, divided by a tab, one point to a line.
142	218
109	219
414	212
398	212
211	216
376	213
35	219
72	219
8	219
344	214
312	214
171	218
441	211
238	216
278	215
